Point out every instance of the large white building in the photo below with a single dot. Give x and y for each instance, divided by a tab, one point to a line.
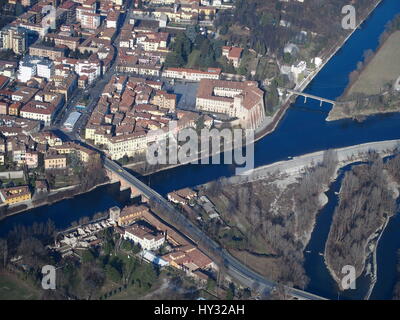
32	66
37	110
89	68
130	145
242	100
153	41
145	237
298	69
192	74
42	107
45	69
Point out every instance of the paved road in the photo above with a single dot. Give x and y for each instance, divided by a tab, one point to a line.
93	91
235	268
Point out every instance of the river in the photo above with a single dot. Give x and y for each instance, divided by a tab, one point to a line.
302	130
321	282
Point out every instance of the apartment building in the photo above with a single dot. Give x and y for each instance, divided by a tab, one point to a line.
31	66
89	68
64	85
133	64
129	145
131	214
15	195
55	161
83	154
23	95
88	19
40	29
27	68
36	110
14	109
40	50
60	40
164	100
153	41
14	38
112	19
32	159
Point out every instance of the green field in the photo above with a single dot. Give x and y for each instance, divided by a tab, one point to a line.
13	288
383	68
193	59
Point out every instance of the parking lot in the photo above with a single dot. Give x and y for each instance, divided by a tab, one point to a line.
186	94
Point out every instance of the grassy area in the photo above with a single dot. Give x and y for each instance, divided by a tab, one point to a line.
239	223
266	266
13	288
62	181
266	69
383	68
193	59
133	292
17	181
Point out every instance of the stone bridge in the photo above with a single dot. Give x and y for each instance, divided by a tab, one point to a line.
124	184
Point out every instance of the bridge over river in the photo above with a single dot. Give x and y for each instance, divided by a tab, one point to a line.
311	96
235	268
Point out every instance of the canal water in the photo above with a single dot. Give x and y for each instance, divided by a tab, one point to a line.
302	130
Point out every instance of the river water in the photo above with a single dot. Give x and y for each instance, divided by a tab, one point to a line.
302	130
321	282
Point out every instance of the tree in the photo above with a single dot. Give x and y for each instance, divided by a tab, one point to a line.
3	253
271	98
88	256
93	278
211	284
112	273
230	293
126	245
128	269
173	60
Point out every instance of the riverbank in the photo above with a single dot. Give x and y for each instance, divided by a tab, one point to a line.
374	264
360	98
367	198
271	123
51	202
280	179
370	254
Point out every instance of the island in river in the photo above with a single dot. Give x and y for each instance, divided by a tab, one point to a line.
265	219
367	199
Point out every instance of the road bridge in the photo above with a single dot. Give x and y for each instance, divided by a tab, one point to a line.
235	268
